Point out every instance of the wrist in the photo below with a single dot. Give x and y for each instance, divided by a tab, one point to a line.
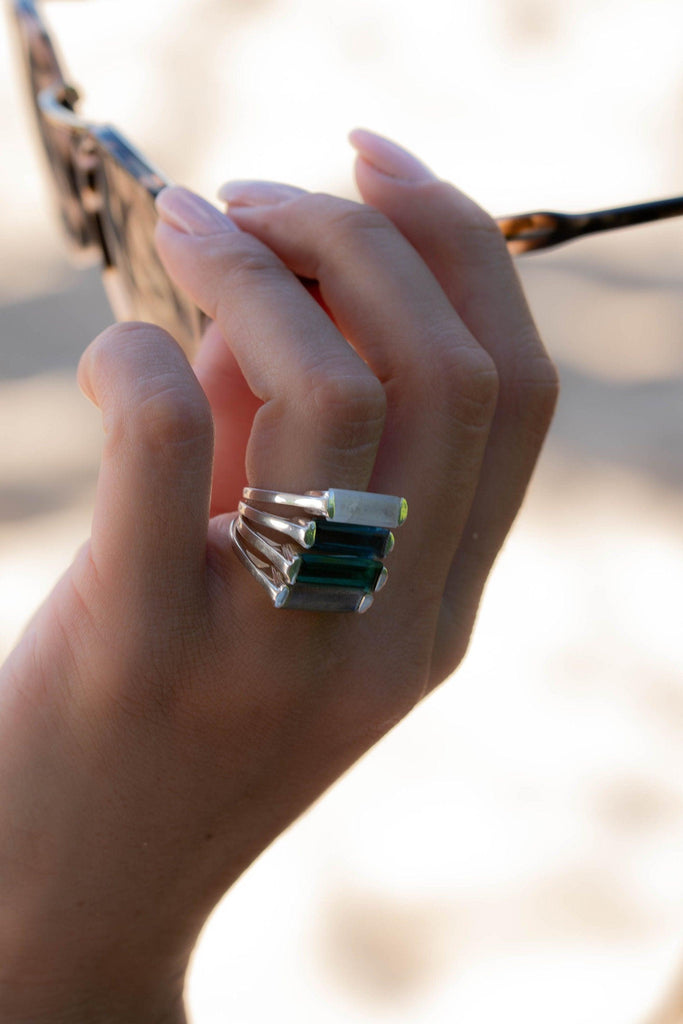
84	938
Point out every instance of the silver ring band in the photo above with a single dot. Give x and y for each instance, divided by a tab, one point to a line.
318	551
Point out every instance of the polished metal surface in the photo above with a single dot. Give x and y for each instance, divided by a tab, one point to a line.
300	598
286	565
313	504
301	531
338	505
338	565
275	591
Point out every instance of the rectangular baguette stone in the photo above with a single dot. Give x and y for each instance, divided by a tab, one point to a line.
339	570
366	509
345	539
323	599
360	507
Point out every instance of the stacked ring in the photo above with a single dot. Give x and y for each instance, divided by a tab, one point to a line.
319	551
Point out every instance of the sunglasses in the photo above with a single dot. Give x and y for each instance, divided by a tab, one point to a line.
106	189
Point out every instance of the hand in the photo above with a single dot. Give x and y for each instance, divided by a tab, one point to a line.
160	722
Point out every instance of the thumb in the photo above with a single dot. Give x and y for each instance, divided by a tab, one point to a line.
152	505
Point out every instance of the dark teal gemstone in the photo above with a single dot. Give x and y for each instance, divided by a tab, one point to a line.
339	570
346	539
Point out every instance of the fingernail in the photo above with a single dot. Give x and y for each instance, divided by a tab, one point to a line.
388	158
257	193
191	214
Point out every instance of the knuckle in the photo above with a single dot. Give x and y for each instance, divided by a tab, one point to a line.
350	408
347	220
467	385
172	416
248	259
248	265
469	215
357	392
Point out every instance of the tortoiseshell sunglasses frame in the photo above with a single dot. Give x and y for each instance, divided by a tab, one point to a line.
106	190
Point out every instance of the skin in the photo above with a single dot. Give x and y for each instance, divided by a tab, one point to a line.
160	722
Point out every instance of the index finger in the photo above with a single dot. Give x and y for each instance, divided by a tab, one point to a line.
323	409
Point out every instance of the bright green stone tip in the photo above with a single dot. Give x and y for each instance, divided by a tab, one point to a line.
309	536
403	512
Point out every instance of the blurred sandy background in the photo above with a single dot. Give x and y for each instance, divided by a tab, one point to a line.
514	851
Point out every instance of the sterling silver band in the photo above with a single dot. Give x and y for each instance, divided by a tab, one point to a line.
319	551
360	507
300	530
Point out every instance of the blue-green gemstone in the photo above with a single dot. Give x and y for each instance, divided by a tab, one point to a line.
347	539
339	570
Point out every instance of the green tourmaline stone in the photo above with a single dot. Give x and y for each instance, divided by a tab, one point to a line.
347	539
339	570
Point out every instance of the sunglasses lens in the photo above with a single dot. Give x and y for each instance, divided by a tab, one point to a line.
137	284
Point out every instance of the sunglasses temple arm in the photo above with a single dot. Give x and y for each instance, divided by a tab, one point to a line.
528	231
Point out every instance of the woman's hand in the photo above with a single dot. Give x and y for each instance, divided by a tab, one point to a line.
161	722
